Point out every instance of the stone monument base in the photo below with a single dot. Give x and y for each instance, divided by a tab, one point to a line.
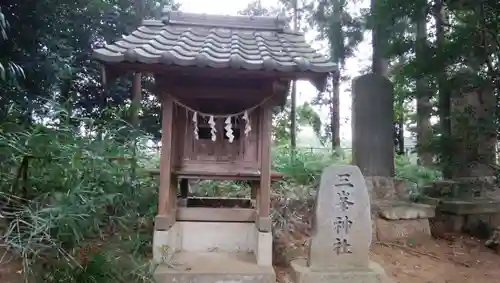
301	273
399	220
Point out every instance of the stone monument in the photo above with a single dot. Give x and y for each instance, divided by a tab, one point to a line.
373	152
372	128
341	238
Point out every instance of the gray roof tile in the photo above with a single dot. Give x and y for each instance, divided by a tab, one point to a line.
186	39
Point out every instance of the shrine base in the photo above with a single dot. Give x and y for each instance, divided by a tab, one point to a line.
209	252
214	267
374	273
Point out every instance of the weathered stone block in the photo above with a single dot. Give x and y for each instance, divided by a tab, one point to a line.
391	230
469	207
406	210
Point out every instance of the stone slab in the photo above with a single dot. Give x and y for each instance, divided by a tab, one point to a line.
462	207
342	223
374	273
405	210
215	268
429	200
391	230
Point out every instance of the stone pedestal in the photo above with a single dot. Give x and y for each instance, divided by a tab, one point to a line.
374	273
403	220
340	243
204	252
217	237
395	216
470	205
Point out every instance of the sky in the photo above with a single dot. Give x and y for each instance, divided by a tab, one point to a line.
306	92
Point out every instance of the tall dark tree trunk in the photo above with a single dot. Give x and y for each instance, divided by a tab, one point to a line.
293	110
424	106
380	64
401	135
444	93
335	113
136	99
140	7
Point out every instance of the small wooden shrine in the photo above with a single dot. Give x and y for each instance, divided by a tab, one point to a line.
218	79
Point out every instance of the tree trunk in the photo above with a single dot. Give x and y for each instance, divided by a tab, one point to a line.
401	135
140	7
336	42
335	113
380	64
293	117
444	94
136	100
293	112
424	106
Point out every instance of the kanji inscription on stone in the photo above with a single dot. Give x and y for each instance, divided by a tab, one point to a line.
341	246
342	221
342	224
344	201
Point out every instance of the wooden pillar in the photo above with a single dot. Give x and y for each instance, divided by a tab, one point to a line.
166	198
264	192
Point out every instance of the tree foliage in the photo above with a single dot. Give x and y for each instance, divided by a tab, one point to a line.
53	41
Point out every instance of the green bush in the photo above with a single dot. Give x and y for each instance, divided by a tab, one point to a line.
415	175
304	167
70	194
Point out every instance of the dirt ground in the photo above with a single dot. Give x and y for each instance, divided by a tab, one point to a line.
459	260
9	270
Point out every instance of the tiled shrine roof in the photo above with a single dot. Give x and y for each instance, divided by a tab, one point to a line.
199	40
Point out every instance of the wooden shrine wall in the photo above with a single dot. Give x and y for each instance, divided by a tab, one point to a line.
205	155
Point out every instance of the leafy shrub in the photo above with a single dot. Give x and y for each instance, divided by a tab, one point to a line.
304	167
73	192
416	176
